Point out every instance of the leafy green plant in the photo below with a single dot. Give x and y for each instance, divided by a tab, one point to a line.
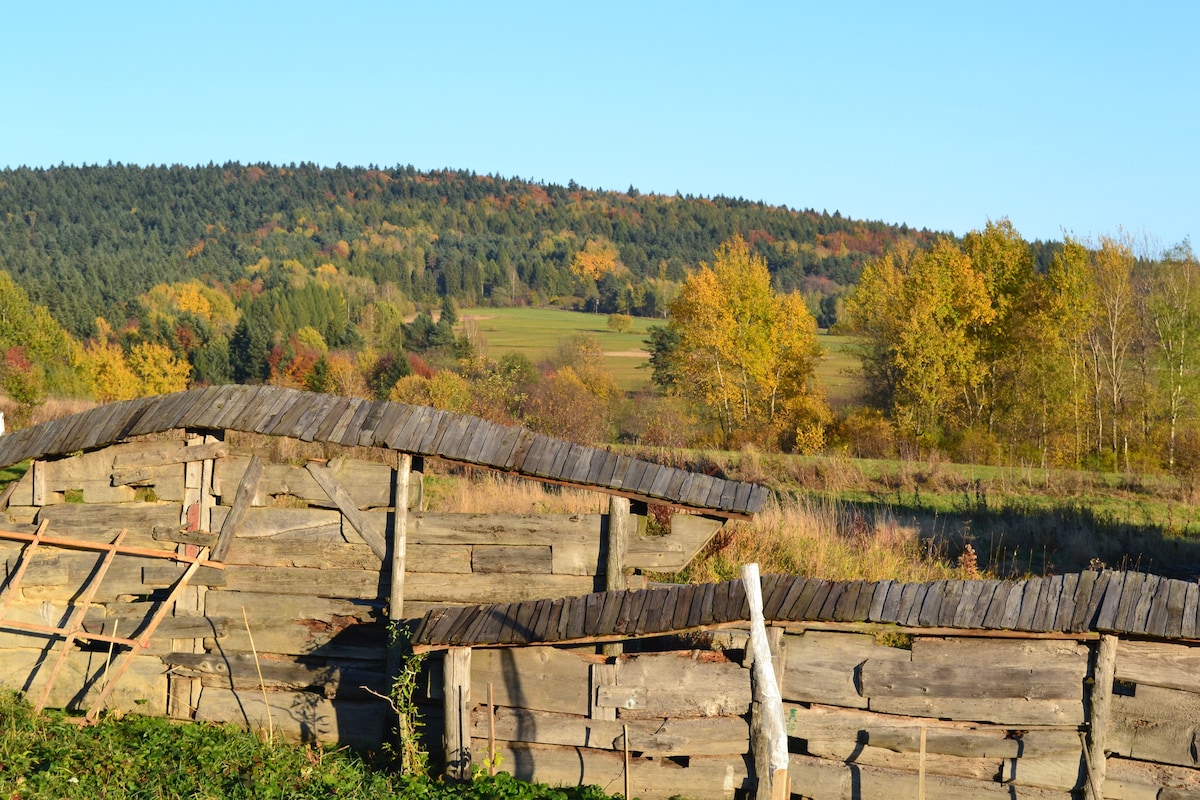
50	755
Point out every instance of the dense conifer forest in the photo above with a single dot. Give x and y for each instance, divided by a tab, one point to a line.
87	241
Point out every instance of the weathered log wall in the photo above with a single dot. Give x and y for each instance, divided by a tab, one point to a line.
962	716
303	598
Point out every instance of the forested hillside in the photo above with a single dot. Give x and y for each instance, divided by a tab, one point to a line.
87	241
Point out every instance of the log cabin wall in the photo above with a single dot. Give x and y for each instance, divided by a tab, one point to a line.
285	626
1077	685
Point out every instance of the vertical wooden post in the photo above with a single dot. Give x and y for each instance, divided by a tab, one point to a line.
456	690
770	735
1098	716
399	538
619	522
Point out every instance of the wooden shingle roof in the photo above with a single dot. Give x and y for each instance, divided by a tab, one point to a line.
1131	603
419	430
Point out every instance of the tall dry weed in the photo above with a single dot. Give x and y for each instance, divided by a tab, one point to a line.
821	539
487	492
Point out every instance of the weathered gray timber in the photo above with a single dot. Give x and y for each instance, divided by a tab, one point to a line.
980	688
317	417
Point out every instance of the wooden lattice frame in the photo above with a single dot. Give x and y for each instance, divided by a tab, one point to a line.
73	629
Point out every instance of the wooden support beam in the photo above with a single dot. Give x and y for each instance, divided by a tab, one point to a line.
616	545
1099	712
456	698
768	740
243	499
399	566
399	538
341	498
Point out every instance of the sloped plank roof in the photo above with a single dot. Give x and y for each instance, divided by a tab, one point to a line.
276	411
1091	602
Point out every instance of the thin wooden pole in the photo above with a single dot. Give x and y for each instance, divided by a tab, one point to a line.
772	734
400	538
619	522
1096	759
921	768
625	744
491	730
456	693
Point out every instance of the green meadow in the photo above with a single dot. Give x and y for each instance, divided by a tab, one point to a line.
536	332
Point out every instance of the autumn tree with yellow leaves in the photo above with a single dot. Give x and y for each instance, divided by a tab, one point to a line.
744	353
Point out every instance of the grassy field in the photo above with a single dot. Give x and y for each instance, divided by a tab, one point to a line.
536	332
836	371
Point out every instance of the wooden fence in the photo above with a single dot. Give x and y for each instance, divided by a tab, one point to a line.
233	590
1052	688
198	567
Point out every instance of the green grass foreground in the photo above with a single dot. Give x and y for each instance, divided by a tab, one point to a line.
49	756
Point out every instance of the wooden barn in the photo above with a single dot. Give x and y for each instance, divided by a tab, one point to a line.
157	561
150	565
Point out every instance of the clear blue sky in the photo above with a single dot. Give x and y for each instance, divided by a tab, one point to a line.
1079	116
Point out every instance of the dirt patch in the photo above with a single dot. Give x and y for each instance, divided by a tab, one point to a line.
627	353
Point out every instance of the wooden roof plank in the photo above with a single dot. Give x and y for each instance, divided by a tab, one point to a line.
426	437
1031	600
758	496
1099	590
506	444
697	495
310	421
800	605
816	600
679	485
1191	611
1156	622
1083	595
447	447
862	608
996	605
635	470
350	437
394	416
914	612
891	605
952	592
683	607
250	409
1066	603
370	424
843	610
878	597
908	592
1141	611
966	604
1048	605
408	438
793	587
1175	601
774	591
523	632
737	607
973	617
1131	589
583	466
655	475
483	442
620	470
1107	617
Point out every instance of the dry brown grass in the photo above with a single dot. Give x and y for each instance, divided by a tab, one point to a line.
821	539
481	491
